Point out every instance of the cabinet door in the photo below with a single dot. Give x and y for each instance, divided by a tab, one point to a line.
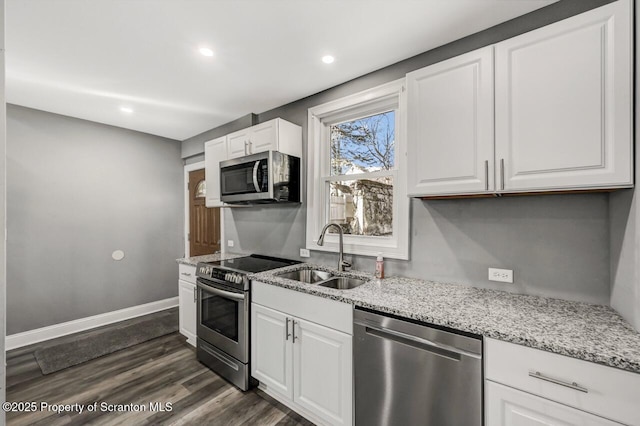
450	126
322	360
564	104
271	351
214	152
237	144
187	307
264	137
506	406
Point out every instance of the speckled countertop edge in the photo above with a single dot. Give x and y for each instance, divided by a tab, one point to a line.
589	332
193	261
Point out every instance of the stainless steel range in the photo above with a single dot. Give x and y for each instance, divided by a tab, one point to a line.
223	314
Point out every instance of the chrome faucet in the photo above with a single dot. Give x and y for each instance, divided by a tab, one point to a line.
341	262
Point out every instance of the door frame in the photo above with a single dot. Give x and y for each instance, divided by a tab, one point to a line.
190	168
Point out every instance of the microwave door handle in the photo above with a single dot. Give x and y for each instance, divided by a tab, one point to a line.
255	176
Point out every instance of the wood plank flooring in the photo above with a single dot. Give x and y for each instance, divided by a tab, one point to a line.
163	370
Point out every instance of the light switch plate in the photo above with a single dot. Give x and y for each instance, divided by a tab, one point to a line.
230	243
501	275
305	253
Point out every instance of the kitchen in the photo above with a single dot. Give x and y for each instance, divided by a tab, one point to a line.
578	247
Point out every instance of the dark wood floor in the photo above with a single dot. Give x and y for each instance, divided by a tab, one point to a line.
161	370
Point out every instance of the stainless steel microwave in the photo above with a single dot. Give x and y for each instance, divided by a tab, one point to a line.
265	177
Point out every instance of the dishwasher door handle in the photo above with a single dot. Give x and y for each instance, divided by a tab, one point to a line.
398	336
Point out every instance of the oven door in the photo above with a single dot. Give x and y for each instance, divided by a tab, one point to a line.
223	318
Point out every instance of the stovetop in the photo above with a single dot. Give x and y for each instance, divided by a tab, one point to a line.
232	272
253	263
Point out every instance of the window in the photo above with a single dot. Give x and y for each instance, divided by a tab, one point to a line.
201	189
356	149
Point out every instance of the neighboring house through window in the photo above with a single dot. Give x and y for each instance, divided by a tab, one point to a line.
356	150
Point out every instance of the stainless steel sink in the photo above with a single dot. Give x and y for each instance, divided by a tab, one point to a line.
309	276
342	283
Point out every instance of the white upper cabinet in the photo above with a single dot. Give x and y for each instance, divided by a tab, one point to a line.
564	104
450	126
264	137
561	100
273	135
237	143
215	151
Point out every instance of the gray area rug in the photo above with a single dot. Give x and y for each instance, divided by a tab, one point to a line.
103	342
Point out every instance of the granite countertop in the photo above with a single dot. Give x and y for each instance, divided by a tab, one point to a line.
584	331
193	261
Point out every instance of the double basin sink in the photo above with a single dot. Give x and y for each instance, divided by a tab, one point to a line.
322	278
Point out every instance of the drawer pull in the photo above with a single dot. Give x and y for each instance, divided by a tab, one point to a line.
186	274
574	385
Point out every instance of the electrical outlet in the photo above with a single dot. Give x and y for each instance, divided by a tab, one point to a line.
305	253
501	275
230	243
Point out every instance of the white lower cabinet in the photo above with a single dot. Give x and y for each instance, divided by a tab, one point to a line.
271	351
510	407
187	301
322	371
526	386
302	363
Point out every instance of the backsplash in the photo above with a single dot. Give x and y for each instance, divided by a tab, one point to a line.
557	245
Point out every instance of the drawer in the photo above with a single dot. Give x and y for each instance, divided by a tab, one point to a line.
610	392
506	406
327	312
187	273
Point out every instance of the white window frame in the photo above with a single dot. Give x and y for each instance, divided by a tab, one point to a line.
362	104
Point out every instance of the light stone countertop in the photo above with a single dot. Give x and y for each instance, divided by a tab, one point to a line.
193	261
584	331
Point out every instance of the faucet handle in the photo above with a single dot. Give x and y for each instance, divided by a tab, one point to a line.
345	264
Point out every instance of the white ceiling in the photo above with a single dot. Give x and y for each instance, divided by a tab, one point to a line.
88	58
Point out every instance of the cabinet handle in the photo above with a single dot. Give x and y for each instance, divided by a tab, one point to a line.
293	329
250	147
573	385
245	147
185	274
502	174
195	295
486	175
286	331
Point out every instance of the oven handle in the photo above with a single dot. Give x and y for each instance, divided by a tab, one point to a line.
255	176
217	291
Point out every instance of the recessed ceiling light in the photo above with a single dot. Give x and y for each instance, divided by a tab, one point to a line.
328	59
126	109
205	51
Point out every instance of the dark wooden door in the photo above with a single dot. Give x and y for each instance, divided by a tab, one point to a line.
204	223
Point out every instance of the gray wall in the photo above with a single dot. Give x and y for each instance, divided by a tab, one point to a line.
195	145
558	245
77	191
625	235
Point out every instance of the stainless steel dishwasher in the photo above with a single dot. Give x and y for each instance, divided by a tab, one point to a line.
410	374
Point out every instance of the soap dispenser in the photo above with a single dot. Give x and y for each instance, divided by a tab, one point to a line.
379	267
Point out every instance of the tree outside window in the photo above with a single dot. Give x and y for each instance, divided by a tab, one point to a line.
361	186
